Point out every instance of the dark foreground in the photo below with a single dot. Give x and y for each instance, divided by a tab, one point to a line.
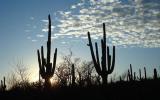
143	90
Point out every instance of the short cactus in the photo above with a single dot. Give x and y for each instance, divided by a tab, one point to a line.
140	77
3	85
130	74
145	74
155	74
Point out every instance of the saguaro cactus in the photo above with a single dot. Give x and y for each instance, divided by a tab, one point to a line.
155	74
107	66
3	84
46	68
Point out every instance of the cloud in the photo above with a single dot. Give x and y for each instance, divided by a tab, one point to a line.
63	42
28	37
34	40
73	6
40	35
31	18
45	29
128	23
45	21
27	31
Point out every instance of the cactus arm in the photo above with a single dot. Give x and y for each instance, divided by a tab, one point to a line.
43	61
129	75
1	83
97	54
134	76
4	84
54	61
42	57
131	70
145	75
92	54
113	60
140	74
108	59
39	60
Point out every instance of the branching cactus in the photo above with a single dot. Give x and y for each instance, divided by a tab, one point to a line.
46	68
3	85
107	65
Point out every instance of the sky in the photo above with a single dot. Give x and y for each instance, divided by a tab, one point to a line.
133	26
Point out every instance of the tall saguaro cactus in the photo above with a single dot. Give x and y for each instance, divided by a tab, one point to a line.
46	68
107	66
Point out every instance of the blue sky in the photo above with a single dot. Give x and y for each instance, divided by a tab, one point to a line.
132	25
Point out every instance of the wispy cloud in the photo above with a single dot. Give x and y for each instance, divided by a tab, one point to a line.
31	18
63	42
40	35
28	37
128	23
45	27
27	30
34	40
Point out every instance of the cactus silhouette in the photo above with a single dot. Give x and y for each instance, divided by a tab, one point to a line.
145	74
140	77
120	78
73	75
130	74
3	85
46	69
106	67
155	74
134	76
